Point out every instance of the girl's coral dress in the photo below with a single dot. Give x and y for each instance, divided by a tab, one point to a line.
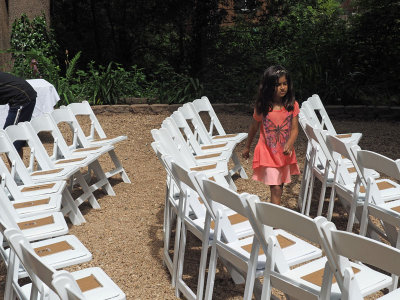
270	165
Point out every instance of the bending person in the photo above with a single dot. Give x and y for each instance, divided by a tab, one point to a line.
21	98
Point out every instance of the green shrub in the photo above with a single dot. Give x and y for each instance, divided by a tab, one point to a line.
171	87
33	40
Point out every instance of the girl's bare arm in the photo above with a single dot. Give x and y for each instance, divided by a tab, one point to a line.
288	148
252	132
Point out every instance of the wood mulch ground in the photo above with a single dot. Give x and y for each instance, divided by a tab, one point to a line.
125	235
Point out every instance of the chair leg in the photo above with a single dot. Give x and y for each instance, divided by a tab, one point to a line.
180	260
71	209
237	163
321	198
203	260
231	183
310	193
251	271
211	272
87	194
12	275
118	167
167	235
352	216
102	180
269	267
180	241
331	203
302	187
306	191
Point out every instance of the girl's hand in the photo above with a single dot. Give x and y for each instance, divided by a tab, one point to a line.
288	149
246	153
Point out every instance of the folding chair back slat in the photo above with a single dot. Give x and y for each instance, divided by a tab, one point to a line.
378	162
18	168
84	109
380	255
317	105
359	280
201	130
225	197
289	220
204	105
44	123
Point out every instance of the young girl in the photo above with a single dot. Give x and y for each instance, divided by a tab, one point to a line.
276	114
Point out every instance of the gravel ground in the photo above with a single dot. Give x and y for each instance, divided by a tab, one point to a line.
125	235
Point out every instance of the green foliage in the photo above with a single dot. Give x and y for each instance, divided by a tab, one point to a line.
176	88
232	72
106	85
313	37
32	37
347	57
310	38
47	67
374	44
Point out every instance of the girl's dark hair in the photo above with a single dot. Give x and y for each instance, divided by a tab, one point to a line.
266	90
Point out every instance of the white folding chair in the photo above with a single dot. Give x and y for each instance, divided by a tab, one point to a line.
47	283
354	194
34	228
168	146
243	253
200	227
192	117
46	123
200	158
318	165
192	138
374	205
355	278
337	170
64	154
58	170
311	280
31	205
190	114
314	107
172	201
59	252
319	161
28	188
203	105
84	109
170	212
37	176
200	155
237	252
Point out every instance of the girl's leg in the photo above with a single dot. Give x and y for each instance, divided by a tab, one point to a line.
276	193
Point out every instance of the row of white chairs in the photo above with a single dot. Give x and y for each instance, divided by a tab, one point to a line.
34	200
260	240
366	182
195	137
64	163
289	250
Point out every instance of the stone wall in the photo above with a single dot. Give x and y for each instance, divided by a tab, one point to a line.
337	112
